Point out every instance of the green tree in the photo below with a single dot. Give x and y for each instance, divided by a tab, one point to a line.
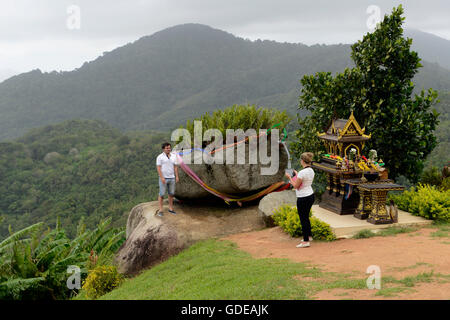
379	90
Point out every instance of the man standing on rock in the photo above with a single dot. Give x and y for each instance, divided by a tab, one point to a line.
166	164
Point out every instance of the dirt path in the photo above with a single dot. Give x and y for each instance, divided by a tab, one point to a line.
399	256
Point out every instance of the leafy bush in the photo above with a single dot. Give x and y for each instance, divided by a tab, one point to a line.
241	117
431	176
101	280
445	184
34	264
288	219
425	201
321	230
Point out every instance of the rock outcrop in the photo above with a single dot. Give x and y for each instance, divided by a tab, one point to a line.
228	178
152	239
273	201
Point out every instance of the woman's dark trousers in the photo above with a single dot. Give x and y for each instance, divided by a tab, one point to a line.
304	205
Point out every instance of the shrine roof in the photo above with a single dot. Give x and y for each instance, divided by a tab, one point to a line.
344	130
334	137
338	124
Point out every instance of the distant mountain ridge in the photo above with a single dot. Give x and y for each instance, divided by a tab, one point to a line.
159	81
430	47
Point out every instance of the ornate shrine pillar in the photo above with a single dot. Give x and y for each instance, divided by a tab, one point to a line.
379	214
365	204
329	181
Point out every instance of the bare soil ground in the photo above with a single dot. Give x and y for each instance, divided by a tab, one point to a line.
400	256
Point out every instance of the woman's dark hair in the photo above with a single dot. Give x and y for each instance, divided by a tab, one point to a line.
165	144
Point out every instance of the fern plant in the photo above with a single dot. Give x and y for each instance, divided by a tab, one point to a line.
33	263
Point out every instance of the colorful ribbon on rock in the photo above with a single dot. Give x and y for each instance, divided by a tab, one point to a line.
227	197
278	186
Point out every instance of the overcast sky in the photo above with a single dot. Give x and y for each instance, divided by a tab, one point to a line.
48	35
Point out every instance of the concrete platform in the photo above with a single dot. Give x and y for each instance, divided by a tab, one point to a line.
345	226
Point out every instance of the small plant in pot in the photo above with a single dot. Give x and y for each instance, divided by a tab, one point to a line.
373	174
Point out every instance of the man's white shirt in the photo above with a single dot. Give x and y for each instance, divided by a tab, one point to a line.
167	164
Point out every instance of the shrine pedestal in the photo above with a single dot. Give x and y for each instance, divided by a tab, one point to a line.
337	203
378	193
365	197
334	197
365	205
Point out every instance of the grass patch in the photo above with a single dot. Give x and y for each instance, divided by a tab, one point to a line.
442	278
385	232
405	284
365	233
392	231
391	292
215	269
418	264
442	229
411	281
442	232
341	294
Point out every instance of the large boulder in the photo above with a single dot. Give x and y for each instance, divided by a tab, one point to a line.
273	201
152	239
237	179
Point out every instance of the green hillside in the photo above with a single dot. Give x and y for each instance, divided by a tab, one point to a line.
431	47
440	156
159	81
78	168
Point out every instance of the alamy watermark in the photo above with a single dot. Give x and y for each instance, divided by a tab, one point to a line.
74	280
374	18
374	280
73	21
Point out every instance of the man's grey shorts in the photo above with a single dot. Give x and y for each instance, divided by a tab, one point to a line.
170	183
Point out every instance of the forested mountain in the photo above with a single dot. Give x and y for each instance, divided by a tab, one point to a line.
440	156
75	169
159	81
430	47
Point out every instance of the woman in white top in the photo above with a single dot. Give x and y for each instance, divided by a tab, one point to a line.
305	196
